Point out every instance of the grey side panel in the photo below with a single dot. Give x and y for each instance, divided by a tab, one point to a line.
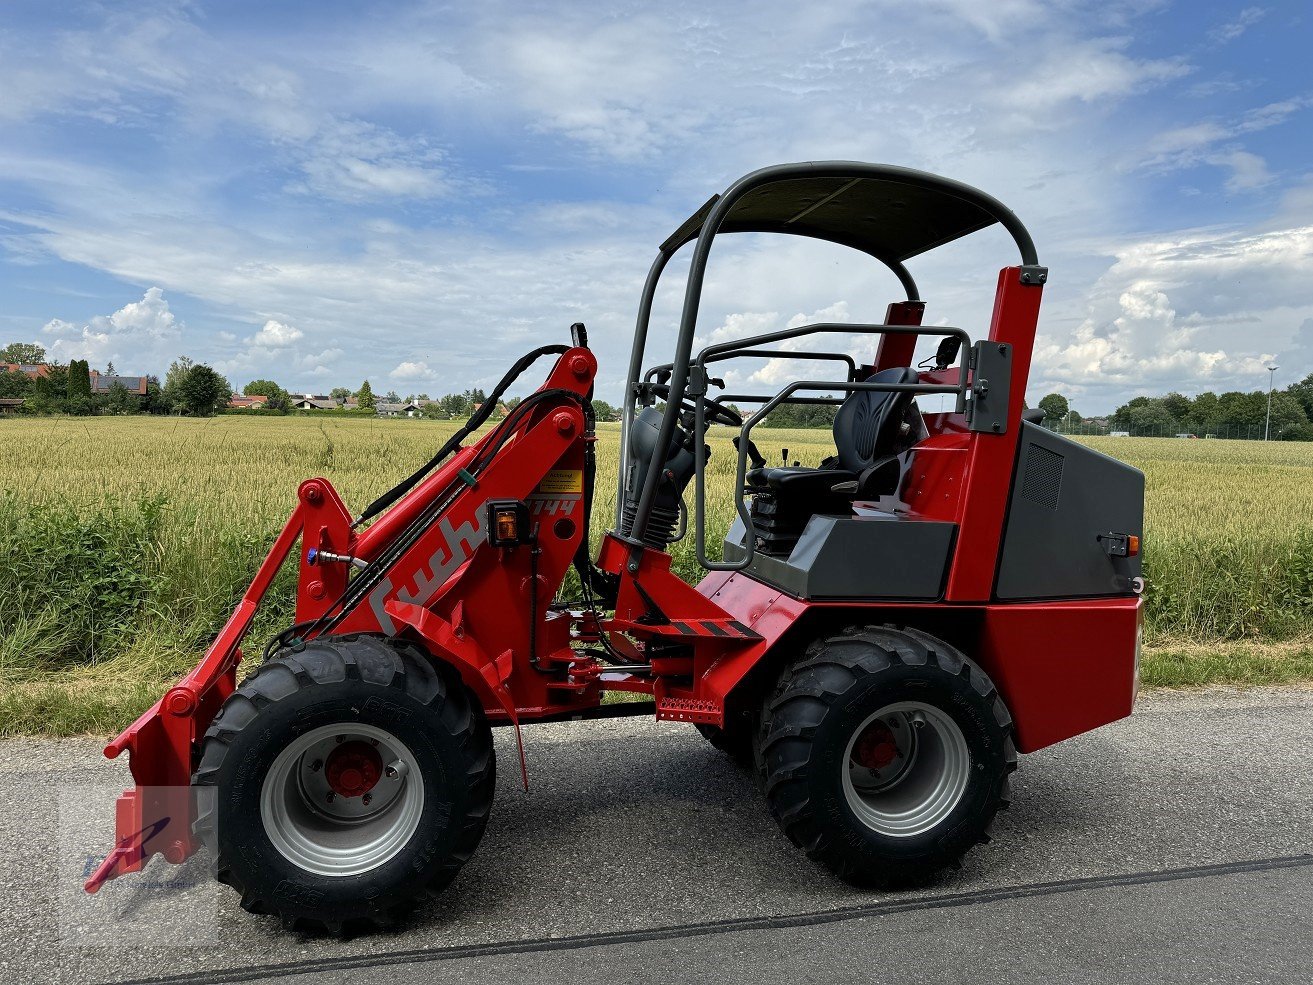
857	558
1064	495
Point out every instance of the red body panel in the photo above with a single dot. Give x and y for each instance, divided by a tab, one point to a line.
1062	667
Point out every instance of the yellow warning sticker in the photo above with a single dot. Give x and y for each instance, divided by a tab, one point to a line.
562	481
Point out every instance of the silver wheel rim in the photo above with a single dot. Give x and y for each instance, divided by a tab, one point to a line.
908	787
326	832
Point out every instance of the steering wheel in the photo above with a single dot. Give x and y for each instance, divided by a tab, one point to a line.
718	413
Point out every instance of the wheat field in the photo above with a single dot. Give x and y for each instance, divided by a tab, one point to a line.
128	540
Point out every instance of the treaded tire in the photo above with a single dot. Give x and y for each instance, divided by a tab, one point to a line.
347	680
814	712
735	740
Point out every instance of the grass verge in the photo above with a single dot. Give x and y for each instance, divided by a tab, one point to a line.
1235	663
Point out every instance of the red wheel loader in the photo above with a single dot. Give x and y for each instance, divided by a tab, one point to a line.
878	639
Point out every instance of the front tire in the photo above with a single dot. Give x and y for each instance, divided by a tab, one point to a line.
885	755
345	782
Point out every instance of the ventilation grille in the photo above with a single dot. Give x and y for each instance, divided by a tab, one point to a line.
1043	479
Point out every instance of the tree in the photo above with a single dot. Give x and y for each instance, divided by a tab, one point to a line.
455	405
1055	408
154	402
203	391
79	380
109	370
120	400
43	398
1205	414
78	391
28	353
1303	392
1288	417
339	393
1150	419
365	398
1178	405
604	411
1243	413
275	396
15	384
171	393
392	397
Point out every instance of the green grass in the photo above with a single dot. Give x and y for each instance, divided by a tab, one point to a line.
128	541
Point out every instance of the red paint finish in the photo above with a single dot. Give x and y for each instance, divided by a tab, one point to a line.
353	768
876	747
992	457
1062	667
897	350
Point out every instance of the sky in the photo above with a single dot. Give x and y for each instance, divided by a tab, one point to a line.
417	193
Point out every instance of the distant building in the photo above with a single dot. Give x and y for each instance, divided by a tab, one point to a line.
10	405
501	410
32	370
102	384
385	409
312	402
240	401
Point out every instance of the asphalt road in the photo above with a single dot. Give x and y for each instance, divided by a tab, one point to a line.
1172	847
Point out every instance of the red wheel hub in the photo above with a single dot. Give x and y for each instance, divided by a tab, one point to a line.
353	768
876	747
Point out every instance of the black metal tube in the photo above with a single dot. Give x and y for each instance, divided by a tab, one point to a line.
636	368
697	273
842	357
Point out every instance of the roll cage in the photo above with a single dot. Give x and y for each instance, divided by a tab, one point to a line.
889	213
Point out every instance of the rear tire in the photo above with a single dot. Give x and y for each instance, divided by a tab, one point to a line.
410	759
885	755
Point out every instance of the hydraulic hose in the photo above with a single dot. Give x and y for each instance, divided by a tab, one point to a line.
477	420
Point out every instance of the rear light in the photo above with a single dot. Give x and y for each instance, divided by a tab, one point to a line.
1132	546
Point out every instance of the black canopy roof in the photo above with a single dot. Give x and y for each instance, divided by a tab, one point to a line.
889	212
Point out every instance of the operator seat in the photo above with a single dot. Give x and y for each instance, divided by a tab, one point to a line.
870	428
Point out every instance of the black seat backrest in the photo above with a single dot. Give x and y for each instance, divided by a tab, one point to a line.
868	425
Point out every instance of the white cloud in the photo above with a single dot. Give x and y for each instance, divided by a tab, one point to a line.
411	372
1239	292
276	335
1217	142
138	332
1242	22
1087	72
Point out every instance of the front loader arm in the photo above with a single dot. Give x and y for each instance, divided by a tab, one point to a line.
155	816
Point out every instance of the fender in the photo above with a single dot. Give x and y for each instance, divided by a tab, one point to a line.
448	641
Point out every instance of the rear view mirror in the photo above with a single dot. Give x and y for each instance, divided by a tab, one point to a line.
947	352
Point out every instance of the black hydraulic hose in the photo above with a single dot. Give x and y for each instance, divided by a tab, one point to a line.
377	569
373	573
477	420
